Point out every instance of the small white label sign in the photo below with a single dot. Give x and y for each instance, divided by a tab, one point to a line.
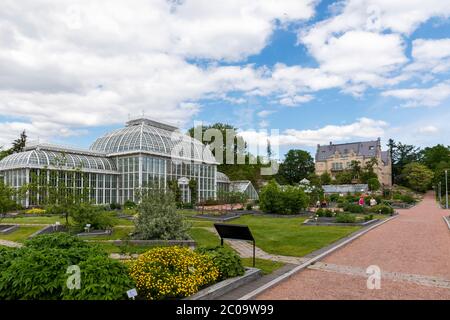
132	293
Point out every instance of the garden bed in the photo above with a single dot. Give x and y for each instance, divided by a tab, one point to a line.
221	288
48	230
220	217
299	215
331	221
8	228
156	243
95	233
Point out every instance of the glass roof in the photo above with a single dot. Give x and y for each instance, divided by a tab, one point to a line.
142	136
222	177
45	158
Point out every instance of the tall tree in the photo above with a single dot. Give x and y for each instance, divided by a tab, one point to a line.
19	144
298	164
417	176
402	154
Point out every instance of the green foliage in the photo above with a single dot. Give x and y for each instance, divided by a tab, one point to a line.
325	178
158	218
368	217
38	271
298	164
249	206
324	213
353	208
83	214
417	176
227	261
382	208
115	206
345	218
289	200
193	188
172	272
129	204
374	184
7	196
343	177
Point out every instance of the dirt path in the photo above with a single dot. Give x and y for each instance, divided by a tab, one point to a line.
413	252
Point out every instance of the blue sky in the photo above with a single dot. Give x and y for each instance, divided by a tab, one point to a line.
317	71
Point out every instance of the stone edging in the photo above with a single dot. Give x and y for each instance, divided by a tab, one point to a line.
308	222
10	229
447	221
304	265
187	243
225	286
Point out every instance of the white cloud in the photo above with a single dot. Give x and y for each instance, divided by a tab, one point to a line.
265	113
296	100
430	55
363	128
416	97
362	42
430	129
94	62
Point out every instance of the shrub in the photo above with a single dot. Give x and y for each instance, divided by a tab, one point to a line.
368	217
345	218
249	206
374	184
172	272
129	204
35	211
353	208
38	271
325	213
289	200
158	218
83	214
407	198
55	209
334	197
383	209
115	206
228	262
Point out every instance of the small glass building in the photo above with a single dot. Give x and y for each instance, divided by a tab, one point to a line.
143	154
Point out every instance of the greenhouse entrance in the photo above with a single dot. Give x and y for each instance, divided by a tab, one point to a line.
183	184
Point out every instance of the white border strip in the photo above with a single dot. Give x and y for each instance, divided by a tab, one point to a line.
447	221
287	275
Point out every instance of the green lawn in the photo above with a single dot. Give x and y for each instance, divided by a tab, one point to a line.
203	237
117	234
266	266
287	236
37	220
21	234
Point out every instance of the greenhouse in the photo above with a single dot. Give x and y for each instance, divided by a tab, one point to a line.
144	154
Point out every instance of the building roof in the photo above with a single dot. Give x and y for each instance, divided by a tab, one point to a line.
363	148
222	177
149	136
41	157
344	188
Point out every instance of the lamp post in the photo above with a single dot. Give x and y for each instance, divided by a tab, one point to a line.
440	193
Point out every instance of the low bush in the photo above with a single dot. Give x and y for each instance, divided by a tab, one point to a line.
381	208
55	209
83	214
158	218
325	213
287	200
334	197
345	218
228	262
39	271
172	272
249	206
115	206
353	208
35	211
368	217
129	204
407	199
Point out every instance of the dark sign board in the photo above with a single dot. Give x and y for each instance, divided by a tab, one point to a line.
234	231
237	232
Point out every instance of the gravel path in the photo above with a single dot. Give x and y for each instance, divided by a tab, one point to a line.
11	244
412	251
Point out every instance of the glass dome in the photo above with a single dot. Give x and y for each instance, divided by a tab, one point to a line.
148	136
38	158
222	177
